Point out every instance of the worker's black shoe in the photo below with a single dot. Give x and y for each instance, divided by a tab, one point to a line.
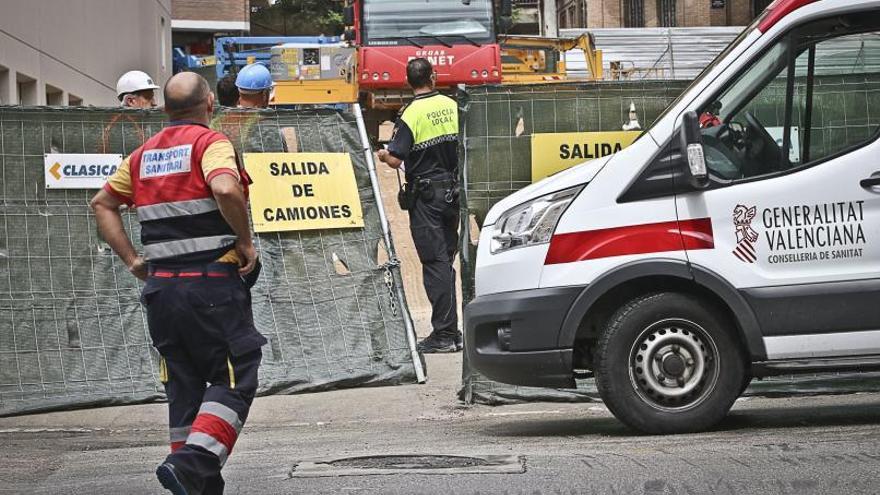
435	343
173	481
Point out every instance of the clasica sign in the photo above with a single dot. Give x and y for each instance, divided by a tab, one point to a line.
79	170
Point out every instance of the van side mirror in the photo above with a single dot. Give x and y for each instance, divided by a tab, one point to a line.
348	15
692	149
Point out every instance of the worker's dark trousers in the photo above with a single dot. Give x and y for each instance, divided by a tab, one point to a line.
203	328
434	225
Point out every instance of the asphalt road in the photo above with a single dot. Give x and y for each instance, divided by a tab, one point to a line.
818	444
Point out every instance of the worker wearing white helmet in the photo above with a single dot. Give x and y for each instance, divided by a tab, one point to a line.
254	86
136	89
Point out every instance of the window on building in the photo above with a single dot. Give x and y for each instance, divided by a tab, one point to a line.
571	13
54	96
4	86
633	13
74	101
27	89
666	13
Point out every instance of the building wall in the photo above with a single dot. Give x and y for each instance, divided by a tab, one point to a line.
609	13
74	51
604	13
234	12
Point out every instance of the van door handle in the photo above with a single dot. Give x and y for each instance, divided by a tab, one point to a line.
870	182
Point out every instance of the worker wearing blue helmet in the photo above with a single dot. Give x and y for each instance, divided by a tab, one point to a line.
254	86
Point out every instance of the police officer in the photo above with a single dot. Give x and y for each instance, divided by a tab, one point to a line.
191	195
254	83
426	138
136	89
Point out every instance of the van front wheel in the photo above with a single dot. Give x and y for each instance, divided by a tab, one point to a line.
669	363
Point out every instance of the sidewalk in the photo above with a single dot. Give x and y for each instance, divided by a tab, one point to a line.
435	400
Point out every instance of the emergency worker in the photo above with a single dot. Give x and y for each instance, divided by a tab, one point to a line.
136	89
254	83
191	194
426	139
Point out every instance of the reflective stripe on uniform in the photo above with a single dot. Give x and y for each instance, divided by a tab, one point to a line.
437	140
179	434
176	209
182	247
231	373
222	412
163	370
210	444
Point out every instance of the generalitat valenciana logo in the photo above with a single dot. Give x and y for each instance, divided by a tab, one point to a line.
746	236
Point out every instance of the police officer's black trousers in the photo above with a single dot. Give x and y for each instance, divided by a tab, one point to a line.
434	225
202	325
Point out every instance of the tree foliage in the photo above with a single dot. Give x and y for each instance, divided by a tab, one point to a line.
299	18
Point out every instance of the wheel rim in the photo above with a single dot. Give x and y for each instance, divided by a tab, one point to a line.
673	365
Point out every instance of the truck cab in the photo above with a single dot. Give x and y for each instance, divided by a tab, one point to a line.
456	36
738	237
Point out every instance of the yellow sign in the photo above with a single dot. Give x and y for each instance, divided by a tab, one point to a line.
552	153
303	191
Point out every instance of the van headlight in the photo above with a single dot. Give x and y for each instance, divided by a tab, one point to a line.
531	223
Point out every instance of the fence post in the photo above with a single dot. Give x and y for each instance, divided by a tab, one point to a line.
386	232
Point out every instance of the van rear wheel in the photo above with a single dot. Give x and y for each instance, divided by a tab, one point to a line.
669	363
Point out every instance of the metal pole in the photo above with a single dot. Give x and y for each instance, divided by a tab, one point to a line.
549	25
386	231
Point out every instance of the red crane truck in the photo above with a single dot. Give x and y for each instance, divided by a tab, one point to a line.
457	36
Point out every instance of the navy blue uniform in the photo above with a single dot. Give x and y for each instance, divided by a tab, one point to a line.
426	139
198	307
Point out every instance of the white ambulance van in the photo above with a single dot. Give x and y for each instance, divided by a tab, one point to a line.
739	237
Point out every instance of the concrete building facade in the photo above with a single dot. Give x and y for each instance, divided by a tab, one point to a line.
72	52
657	13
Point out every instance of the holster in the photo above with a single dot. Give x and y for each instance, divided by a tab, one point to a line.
406	196
424	189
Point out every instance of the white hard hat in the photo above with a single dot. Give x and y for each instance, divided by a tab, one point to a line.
132	81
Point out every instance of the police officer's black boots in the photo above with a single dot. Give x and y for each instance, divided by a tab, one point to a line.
441	342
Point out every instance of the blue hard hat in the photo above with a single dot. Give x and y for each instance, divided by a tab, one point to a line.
254	77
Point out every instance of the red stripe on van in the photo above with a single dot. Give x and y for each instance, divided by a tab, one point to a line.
632	239
777	10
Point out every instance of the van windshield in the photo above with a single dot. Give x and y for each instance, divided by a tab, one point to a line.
733	44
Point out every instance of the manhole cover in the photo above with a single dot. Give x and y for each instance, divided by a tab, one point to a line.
410	464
